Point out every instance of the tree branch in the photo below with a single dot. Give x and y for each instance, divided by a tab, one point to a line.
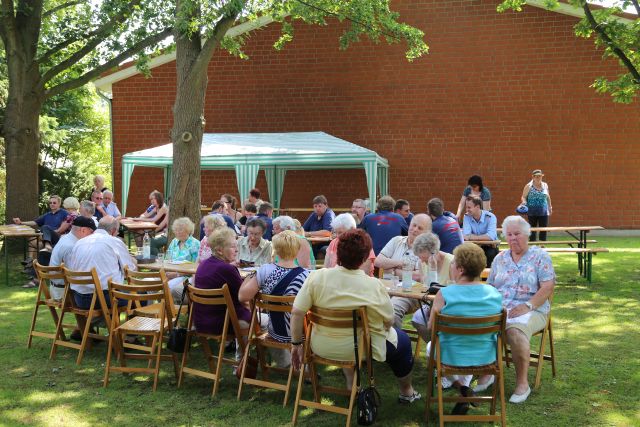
7	21
100	34
213	42
610	43
90	75
60	7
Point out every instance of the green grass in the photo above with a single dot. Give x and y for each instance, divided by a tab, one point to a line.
597	336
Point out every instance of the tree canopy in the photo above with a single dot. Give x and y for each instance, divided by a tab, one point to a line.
616	32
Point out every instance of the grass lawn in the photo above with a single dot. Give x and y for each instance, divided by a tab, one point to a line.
597	339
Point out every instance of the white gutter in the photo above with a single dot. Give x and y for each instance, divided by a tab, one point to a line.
567	9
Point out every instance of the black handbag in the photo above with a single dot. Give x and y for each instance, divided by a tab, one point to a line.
178	336
367	398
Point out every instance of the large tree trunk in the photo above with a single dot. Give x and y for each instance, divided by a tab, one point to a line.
21	132
188	127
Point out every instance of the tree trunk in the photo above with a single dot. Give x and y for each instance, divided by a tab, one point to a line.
188	127
21	132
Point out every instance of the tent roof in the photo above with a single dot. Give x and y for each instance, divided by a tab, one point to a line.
294	149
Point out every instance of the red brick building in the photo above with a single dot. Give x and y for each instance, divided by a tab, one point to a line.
499	95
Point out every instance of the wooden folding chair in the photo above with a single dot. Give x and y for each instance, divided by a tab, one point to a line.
333	319
212	298
262	341
153	328
84	317
139	278
537	358
466	326
43	298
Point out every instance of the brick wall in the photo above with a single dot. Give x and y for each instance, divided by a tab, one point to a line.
499	95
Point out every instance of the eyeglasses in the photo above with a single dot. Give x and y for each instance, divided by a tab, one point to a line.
98	198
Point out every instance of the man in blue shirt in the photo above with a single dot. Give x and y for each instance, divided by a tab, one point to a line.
403	209
319	223
218	208
48	223
265	212
445	226
384	225
480	225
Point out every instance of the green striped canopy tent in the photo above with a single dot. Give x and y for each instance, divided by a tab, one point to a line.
275	153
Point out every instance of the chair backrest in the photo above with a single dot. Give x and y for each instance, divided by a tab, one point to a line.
87	278
47	273
143	278
137	293
282	304
213	297
340	319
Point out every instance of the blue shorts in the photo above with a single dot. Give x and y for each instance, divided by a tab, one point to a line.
400	358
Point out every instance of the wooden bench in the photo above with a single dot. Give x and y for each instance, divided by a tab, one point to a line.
586	252
555	242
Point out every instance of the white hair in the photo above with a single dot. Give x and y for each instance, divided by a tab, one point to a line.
344	221
285	222
518	221
426	242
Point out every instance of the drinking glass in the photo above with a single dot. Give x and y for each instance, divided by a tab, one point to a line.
160	258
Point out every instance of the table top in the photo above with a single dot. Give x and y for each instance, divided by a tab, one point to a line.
319	239
570	228
418	290
484	242
186	268
12	230
135	224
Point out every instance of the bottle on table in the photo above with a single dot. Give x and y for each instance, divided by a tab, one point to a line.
407	271
146	246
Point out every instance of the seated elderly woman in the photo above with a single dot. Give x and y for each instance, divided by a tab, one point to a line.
525	277
211	223
184	247
347	287
467	296
72	206
253	248
341	224
305	257
280	278
435	269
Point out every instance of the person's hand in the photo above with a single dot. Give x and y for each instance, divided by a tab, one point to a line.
17	221
296	356
518	310
550	210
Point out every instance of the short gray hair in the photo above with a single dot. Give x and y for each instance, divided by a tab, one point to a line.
518	221
285	222
426	242
105	192
214	221
185	223
108	224
344	221
88	206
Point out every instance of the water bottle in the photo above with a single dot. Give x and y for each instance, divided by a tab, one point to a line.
407	272
146	246
432	272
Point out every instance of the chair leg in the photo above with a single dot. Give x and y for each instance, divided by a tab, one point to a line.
352	399
314	381
551	352
296	404
85	337
242	367
107	368
543	336
216	382
503	405
33	320
288	390
429	394
185	356
156	345
54	347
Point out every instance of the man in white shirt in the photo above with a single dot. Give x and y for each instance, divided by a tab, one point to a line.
104	252
109	206
80	228
391	258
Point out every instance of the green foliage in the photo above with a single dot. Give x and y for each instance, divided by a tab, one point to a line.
618	38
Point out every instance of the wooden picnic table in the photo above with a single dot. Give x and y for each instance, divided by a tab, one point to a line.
418	291
186	268
13	231
580	239
137	226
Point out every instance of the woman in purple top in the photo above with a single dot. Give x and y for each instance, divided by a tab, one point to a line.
213	273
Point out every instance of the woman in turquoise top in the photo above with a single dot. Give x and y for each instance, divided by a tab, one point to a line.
184	247
536	196
469	297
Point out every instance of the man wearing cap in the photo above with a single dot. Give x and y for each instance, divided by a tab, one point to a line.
80	228
538	201
106	253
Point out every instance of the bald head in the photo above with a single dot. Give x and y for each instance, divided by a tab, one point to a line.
109	224
421	223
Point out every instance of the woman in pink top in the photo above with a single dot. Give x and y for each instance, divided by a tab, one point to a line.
211	223
340	225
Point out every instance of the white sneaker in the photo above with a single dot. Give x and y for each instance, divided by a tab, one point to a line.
520	398
482	387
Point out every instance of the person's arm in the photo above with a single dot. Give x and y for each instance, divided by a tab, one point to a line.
297	349
486	199
490	234
63	227
525	193
307	224
117	212
248	289
149	214
165	221
549	200
327	219
467	232
366	266
304	254
438	303
382	261
544	292
460	210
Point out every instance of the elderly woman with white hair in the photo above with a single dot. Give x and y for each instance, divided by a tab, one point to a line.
340	225
211	223
436	269
305	257
184	247
525	277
